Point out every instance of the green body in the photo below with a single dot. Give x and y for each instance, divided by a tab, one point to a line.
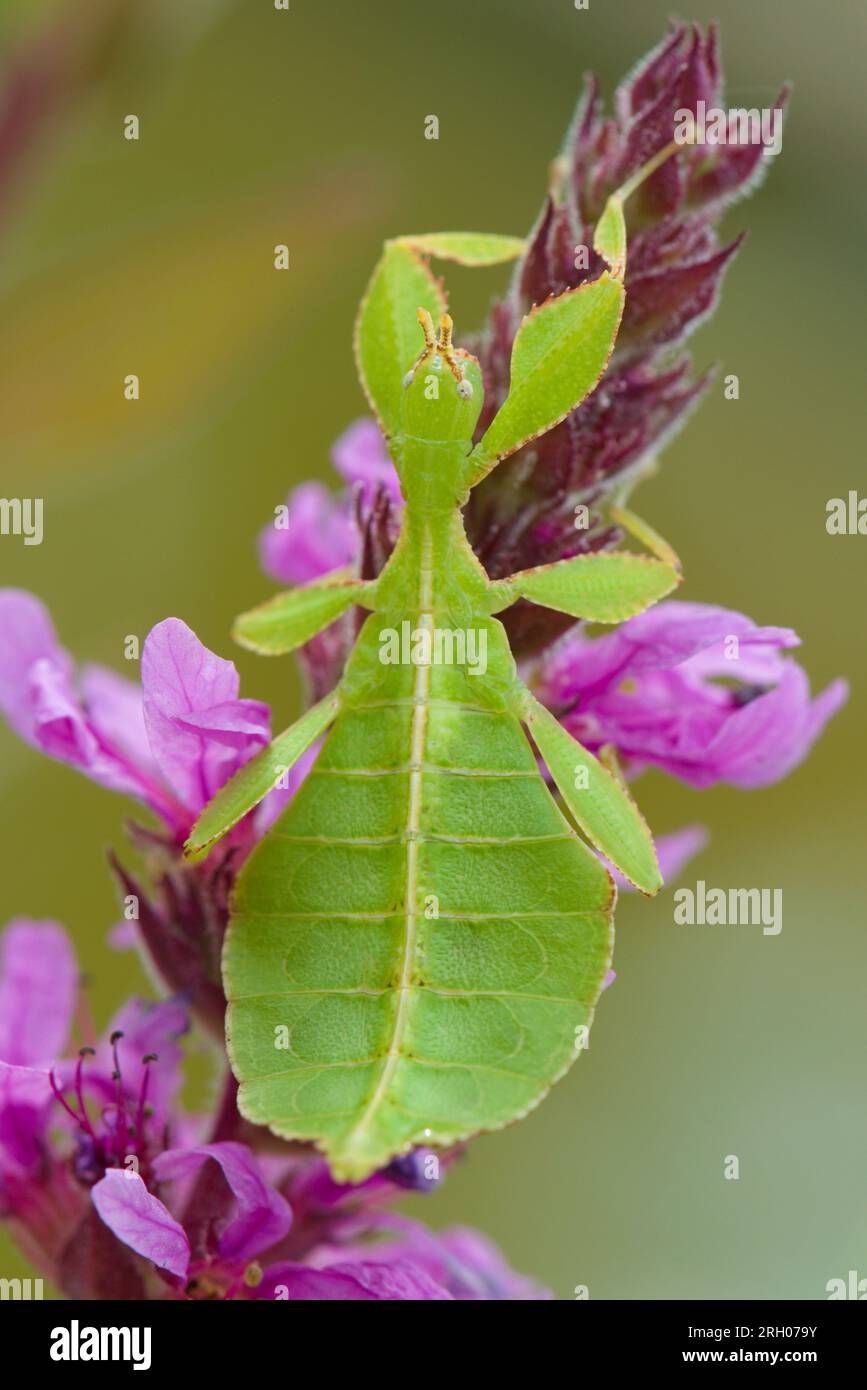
422	917
417	945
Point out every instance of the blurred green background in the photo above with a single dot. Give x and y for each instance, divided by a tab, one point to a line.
306	127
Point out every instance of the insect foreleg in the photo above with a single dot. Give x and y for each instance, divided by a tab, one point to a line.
290	619
603	588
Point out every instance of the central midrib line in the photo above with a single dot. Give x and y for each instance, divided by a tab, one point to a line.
418	733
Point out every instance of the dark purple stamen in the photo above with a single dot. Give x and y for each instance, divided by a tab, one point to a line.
120	1132
142	1098
58	1095
120	1136
79	1090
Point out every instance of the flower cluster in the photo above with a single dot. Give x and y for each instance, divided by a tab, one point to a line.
523	514
114	1193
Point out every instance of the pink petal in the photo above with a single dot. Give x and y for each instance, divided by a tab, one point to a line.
123	936
263	1216
479	1270
25	1095
115	707
663	638
26	636
363	1281
199	731
38	988
320	536
39	700
460	1260
675	850
233	724
764	740
60	727
672	632
361	458
141	1221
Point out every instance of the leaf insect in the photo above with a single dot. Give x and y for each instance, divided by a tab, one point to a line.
406	1027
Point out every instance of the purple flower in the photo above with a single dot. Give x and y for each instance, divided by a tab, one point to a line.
318	532
63	1122
39	698
171	744
262	1218
360	1281
315	535
461	1263
362	460
96	1129
96	1157
141	1221
200	731
699	691
38	989
132	1073
253	1216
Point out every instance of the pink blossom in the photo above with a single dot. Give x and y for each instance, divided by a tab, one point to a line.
699	691
170	744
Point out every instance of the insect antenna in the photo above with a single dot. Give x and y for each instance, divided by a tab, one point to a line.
430	344
444	346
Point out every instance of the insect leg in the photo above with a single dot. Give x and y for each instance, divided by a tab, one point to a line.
603	588
290	619
600	803
257	778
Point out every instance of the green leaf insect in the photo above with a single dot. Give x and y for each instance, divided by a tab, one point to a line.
417	945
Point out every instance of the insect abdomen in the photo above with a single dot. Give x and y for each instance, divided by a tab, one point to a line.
403	921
